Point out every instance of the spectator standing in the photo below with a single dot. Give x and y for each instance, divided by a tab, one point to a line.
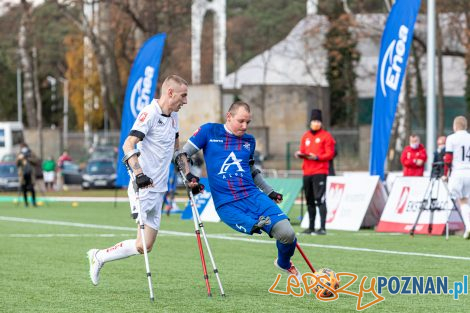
48	171
413	157
317	149
438	157
27	175
64	157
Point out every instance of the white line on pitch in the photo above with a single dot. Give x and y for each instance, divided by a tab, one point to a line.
224	237
61	235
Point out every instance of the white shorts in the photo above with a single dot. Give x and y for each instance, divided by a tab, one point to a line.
151	203
48	177
459	186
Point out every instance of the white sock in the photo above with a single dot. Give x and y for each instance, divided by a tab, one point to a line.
121	250
465	208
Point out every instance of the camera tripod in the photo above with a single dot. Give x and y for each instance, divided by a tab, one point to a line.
430	202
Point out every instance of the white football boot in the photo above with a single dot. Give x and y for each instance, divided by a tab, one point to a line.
95	266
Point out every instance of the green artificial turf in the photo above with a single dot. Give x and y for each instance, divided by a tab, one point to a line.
43	267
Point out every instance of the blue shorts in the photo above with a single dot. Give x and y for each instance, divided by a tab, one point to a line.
243	214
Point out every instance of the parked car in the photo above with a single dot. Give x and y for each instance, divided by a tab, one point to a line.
103	152
9	176
71	173
11	158
99	173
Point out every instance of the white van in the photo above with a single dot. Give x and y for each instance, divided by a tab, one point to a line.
11	136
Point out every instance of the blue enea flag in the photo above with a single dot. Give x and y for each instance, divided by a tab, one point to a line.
140	91
394	50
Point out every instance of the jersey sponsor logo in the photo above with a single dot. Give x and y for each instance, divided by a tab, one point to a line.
160	122
143	116
140	95
216	140
196	131
231	160
247	146
317	140
391	67
307	142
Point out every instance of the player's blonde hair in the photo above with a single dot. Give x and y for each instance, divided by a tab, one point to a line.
171	81
460	123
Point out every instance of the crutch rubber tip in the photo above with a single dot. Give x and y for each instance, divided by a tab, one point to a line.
152	299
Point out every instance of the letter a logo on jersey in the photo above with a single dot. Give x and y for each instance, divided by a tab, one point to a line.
229	161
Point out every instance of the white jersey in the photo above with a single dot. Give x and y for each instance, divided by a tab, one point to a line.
459	144
158	145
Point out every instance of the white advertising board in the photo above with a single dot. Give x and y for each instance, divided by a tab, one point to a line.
352	202
406	201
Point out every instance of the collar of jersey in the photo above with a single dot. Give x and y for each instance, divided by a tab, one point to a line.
227	130
159	109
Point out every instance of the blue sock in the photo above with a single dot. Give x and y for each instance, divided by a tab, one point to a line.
284	253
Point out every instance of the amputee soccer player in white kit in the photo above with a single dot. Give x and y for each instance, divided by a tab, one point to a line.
457	164
235	182
155	132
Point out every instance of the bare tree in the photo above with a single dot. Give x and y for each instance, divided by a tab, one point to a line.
27	64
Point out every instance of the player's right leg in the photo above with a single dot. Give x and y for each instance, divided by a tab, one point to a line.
97	258
310	199
319	189
286	241
465	209
151	217
458	189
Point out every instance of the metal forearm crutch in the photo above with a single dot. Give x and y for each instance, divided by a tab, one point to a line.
200	226
125	160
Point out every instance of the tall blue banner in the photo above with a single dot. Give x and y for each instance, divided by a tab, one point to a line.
394	50
140	91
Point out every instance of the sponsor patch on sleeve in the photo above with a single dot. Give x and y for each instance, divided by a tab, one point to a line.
196	131
143	116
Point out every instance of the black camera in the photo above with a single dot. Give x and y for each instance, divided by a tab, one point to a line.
437	169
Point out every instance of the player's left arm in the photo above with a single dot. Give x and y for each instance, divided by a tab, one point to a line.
329	149
259	180
448	163
261	183
182	161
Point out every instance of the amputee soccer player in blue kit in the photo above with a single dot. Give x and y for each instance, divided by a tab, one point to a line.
243	199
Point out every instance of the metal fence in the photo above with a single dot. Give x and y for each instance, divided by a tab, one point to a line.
80	146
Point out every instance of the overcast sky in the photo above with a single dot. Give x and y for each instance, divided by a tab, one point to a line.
6	3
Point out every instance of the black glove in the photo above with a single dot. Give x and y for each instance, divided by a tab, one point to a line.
198	189
143	180
275	196
194	179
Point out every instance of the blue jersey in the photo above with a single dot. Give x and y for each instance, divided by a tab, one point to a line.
227	161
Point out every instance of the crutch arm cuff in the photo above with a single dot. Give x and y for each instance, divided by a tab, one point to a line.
130	154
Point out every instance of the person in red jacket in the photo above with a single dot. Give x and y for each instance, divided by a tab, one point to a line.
413	157
317	148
